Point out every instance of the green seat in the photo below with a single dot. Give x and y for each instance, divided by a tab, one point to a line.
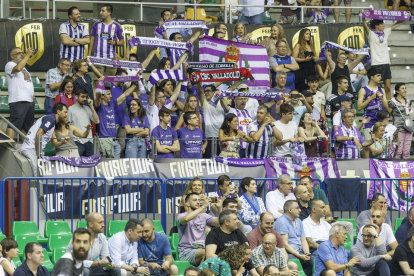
348	243
4	104
158	227
22	240
57	228
49	149
397	224
58	241
2	237
300	268
267	19
46	260
353	223
81	224
37	84
182	265
28	228
174	245
38	110
57	254
3	83
17	262
115	226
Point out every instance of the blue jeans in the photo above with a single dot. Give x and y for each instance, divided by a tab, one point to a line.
85	149
359	83
48	105
255	19
136	148
117	149
381	269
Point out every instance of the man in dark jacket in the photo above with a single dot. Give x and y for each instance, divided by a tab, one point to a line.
34	260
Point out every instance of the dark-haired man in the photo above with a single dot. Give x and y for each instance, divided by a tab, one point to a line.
226	189
32	266
406	225
73	36
166	137
319	100
193	140
332	102
379	202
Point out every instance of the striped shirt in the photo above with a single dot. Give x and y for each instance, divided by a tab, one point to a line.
260	148
103	33
53	76
260	259
244	121
73	52
348	149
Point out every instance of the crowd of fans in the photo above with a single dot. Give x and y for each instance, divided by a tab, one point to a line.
231	233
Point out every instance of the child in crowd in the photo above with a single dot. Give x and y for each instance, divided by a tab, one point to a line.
318	15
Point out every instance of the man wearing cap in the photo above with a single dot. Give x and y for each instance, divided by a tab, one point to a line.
105	106
280	87
281	62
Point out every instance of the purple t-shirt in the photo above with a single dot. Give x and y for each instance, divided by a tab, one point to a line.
106	114
194	230
191	142
142	97
348	149
119	111
316	17
166	138
135	123
103	33
373	106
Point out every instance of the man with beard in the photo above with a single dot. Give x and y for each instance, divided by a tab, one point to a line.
43	127
81	114
71	263
155	249
192	227
96	262
34	260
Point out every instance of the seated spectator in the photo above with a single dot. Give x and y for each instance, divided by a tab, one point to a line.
275	200
390	134
123	248
332	255
293	99
290	228
268	254
349	140
315	227
282	62
71	263
345	102
196	185
303	198
191	104
310	131
221	27
225	236
332	102
136	126
81	114
230	261
54	79
230	137
155	249
322	69
191	271
280	87
32	265
166	137
406	224
266	223
253	206
192	140
318	15
270	270
289	131
276	33
240	34
66	92
192	228
226	189
381	148
358	76
262	132
9	252
328	272
403	260
231	204
372	253
63	139
378	202
385	232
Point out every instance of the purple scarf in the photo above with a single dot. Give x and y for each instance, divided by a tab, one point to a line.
64	100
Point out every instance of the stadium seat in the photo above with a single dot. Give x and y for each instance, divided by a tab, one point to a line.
201	15
397	224
348	243
49	149
17	262
22	240
353	223
56	227
158	227
115	226
38	110
301	272
81	224
3	83
174	245
37	84
2	237
182	265
57	254
267	19
4	104
28	228
58	241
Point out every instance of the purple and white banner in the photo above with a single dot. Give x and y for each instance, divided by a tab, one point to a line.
116	63
244	55
159	42
185	24
399	193
211	65
387	15
82	161
333	45
177	75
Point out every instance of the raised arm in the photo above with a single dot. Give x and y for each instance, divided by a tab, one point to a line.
331	64
148	59
177	90
354	63
182	58
124	95
21	64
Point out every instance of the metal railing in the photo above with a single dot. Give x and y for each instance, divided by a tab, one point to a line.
24	8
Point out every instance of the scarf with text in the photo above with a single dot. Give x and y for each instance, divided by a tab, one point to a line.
332	45
167	74
116	63
159	42
387	15
221	75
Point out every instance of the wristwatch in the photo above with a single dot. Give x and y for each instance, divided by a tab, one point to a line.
74	39
347	265
376	236
135	269
284	65
353	139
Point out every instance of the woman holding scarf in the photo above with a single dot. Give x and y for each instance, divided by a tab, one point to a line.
66	92
253	206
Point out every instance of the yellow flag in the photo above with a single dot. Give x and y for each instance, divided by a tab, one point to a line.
31	36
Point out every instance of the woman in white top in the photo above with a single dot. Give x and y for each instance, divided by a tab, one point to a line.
10	251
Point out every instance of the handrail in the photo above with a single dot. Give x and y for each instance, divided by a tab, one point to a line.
24	8
13	127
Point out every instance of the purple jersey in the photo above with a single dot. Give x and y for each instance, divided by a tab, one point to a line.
135	123
103	33
73	52
191	142
166	138
119	111
106	114
318	17
373	106
347	149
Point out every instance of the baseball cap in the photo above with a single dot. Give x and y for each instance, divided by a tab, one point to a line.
242	86
344	98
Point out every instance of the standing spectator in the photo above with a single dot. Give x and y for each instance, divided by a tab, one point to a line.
251	15
280	88
400	110
378	202
167	87
221	27
277	33
293	99
322	69
318	15
83	79
73	36
116	91
137	128
191	104
406	224
240	34
403	260
378	42
54	80
105	36
348	11
43	127
192	140
262	132
277	198
33	253
66	92
332	102
9	252
81	115
166	137
332	255
304	54
252	104
281	62
287	16
319	99
166	15
310	131
21	91
358	75
233	14
230	137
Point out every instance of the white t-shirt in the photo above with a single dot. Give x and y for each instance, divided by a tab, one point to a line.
251	106
317	232
359	67
213	118
337	120
20	84
379	51
386	235
289	131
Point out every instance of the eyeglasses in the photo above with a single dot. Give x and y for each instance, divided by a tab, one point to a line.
65	64
367	236
268	243
350	116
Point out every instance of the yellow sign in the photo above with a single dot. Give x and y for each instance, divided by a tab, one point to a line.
31	36
86	45
352	37
260	34
314	36
211	32
129	31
